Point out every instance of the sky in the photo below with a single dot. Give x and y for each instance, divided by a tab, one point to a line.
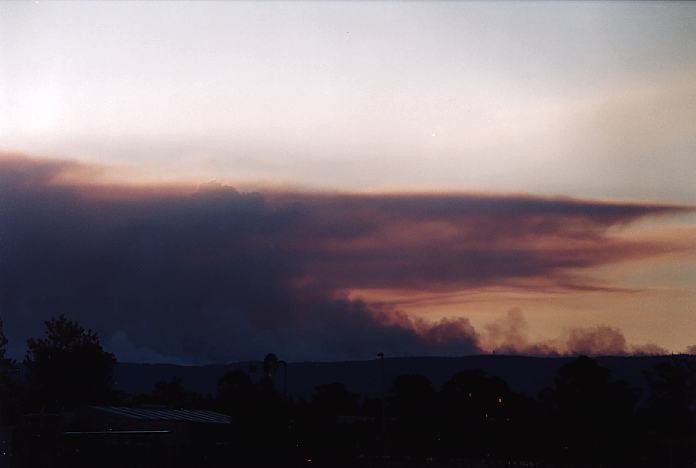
211	181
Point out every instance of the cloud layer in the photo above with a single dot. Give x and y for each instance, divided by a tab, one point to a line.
211	274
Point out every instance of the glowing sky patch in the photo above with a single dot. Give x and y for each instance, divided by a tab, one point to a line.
382	125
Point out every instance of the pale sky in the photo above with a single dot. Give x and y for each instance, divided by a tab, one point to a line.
587	99
593	100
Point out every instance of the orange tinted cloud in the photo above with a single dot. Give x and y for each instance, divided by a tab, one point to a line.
510	335
222	274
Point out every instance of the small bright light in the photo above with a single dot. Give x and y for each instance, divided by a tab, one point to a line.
433	134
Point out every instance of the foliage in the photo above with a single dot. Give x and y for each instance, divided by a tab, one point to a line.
172	394
594	415
68	367
669	419
3	342
9	384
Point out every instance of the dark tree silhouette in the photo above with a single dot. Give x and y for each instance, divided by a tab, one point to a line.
260	416
593	414
68	367
670	416
270	364
9	385
171	393
7	365
475	409
412	403
325	429
475	396
3	341
236	395
331	400
673	394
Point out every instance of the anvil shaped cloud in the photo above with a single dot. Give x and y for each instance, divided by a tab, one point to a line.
209	273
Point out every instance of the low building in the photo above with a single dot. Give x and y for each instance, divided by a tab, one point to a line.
127	436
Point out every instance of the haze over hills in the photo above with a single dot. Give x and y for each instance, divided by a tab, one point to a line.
524	374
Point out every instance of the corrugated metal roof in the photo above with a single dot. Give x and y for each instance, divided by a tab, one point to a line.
166	414
77	433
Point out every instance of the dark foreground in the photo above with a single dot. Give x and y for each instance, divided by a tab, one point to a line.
586	418
60	408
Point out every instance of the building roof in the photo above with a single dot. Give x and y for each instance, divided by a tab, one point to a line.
165	414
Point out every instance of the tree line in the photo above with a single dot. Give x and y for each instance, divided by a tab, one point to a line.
585	418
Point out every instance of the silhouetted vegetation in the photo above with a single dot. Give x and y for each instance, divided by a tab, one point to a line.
170	393
585	418
68	367
10	389
594	413
668	422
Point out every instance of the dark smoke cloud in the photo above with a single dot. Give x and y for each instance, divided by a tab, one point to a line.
213	274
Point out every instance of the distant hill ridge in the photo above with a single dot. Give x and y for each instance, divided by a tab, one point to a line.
524	374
